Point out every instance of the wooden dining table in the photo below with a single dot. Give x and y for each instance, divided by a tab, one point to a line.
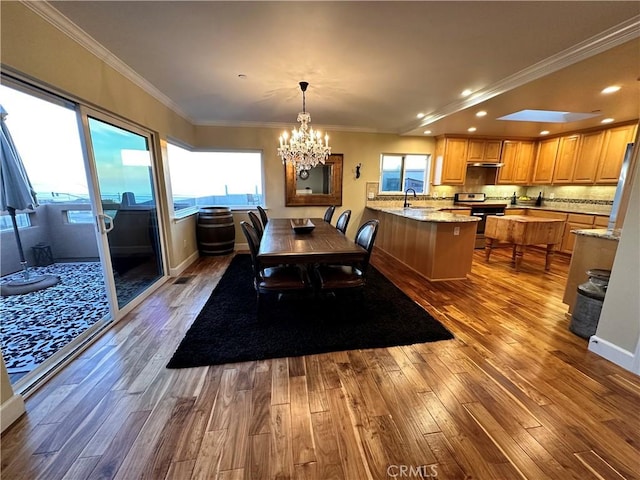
280	244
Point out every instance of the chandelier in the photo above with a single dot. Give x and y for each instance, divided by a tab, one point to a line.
304	148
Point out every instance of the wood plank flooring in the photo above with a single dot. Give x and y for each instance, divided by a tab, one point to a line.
514	396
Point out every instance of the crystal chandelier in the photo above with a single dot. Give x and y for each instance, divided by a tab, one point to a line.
304	148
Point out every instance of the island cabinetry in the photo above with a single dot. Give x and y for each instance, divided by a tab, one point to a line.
590	252
517	158
565	161
613	149
451	164
484	150
437	250
545	161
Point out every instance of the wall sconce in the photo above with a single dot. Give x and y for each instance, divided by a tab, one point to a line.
358	170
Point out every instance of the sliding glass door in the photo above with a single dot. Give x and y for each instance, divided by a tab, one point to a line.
128	209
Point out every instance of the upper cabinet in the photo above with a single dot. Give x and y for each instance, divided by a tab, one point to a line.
588	157
613	149
545	161
483	150
566	159
451	161
517	157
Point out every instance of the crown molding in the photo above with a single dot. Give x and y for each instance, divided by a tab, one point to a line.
621	33
49	13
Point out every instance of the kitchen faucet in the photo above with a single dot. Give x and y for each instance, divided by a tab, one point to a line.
407	204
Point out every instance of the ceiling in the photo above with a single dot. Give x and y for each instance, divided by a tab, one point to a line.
373	66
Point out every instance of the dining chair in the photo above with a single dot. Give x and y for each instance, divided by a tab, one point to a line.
255	221
343	221
280	279
349	277
263	216
328	215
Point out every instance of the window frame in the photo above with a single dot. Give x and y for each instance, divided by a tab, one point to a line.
193	209
403	173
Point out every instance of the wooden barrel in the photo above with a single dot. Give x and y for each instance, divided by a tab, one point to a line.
215	231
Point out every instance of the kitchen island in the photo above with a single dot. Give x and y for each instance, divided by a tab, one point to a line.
437	245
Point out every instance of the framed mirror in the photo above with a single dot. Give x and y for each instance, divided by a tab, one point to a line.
322	186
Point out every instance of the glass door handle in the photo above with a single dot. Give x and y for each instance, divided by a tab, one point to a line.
102	220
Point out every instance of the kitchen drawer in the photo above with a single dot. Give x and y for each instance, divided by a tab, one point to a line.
546	214
515	211
580	218
601	221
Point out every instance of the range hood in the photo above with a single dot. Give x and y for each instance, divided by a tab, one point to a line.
485	164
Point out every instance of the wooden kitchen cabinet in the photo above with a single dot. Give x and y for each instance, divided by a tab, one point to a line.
451	161
588	158
484	150
613	150
575	221
545	161
517	158
601	221
565	160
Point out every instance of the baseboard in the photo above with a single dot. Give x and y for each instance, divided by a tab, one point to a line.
612	352
177	271
10	411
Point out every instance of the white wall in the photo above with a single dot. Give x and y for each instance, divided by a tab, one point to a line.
618	334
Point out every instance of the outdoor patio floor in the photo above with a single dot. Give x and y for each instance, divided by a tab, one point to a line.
36	325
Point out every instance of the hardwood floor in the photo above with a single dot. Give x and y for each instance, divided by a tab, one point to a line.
514	395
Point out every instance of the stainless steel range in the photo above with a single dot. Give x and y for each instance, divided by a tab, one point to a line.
479	208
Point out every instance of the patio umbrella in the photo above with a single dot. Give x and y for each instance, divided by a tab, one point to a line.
16	193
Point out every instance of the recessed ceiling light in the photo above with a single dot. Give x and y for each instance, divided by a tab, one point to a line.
420	115
611	89
607	120
481	113
544	132
471	129
427	132
466	93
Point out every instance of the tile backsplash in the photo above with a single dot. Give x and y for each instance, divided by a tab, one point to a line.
598	195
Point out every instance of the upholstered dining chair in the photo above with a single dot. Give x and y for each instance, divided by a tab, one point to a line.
328	215
334	278
343	221
263	216
255	221
280	279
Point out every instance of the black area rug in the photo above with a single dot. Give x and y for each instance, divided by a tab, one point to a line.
227	329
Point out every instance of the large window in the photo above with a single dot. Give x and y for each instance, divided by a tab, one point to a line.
399	172
198	178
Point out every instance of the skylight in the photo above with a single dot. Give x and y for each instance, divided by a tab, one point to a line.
547	116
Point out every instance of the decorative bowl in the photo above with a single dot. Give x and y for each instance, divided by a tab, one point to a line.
531	202
302	225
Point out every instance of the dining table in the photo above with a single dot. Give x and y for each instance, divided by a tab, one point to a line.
282	245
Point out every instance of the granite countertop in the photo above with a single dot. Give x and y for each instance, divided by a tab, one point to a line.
599	233
430	214
564	207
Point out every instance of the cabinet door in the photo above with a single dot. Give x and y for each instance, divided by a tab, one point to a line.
545	161
588	157
509	158
568	238
524	162
454	167
566	159
492	150
475	151
613	150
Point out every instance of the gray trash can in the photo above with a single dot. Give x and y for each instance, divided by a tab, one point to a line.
586	311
